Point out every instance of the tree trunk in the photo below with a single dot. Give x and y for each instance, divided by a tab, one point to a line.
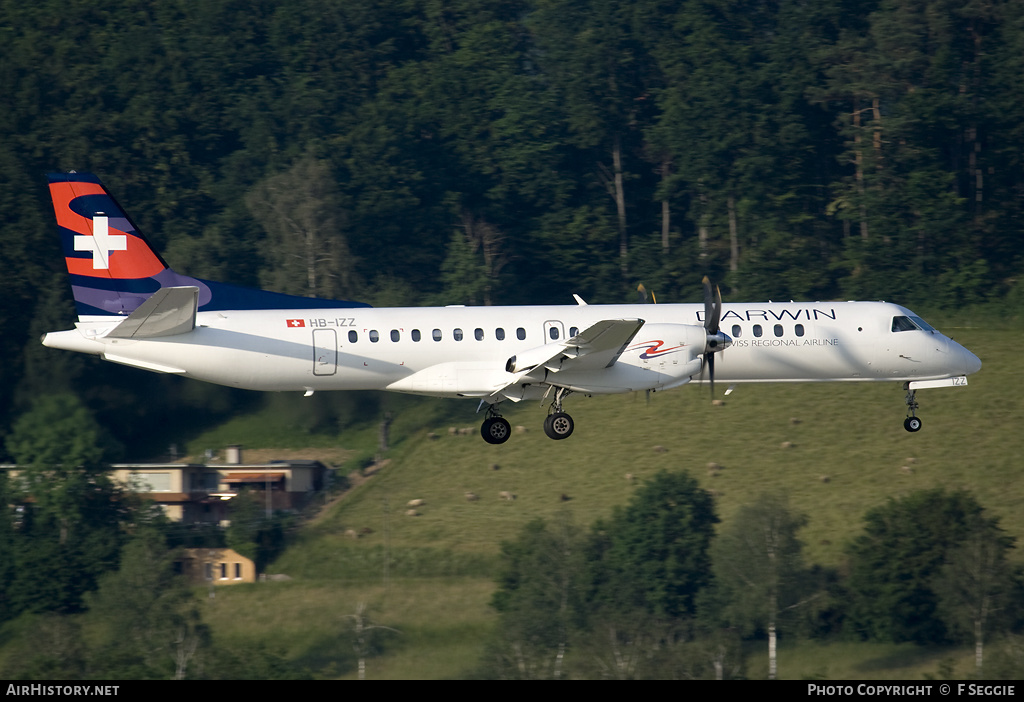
620	206
702	227
978	647
858	160
665	214
734	238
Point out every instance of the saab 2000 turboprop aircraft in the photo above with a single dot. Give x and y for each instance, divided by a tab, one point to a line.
133	309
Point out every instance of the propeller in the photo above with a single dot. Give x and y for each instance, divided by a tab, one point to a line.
716	340
641	293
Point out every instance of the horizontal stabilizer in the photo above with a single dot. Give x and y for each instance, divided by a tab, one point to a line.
167	312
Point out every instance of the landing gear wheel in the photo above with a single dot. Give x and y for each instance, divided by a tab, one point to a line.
495	430
558	425
912	424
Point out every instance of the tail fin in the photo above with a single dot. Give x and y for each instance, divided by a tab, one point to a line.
114	269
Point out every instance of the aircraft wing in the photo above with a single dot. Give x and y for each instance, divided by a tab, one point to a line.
593	349
167	312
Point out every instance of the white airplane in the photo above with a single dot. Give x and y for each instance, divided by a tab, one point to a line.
134	310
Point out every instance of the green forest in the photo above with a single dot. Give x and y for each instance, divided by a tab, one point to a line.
477	152
519	151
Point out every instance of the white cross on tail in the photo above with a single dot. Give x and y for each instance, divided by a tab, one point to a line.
101	243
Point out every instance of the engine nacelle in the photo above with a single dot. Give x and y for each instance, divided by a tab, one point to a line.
665	345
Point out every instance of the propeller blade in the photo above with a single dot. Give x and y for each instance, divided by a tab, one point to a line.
711	372
641	294
712	306
716	341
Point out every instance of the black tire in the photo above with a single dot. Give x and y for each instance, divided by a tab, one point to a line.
559	426
496	430
912	424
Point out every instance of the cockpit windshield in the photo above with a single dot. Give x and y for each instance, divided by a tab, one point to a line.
903	323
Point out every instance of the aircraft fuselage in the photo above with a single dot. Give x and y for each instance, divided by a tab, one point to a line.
381	348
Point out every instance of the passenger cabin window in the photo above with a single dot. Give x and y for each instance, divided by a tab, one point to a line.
353	336
757	331
736	331
457	333
416	336
553	333
436	334
574	331
374	336
799	329
778	330
521	334
478	334
499	334
395	335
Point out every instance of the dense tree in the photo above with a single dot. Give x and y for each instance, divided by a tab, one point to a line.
758	563
653	553
150	623
305	225
69	514
540	599
977	587
894	564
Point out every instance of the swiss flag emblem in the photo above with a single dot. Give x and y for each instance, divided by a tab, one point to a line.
296	322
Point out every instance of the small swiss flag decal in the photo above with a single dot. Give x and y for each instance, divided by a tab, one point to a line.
296	322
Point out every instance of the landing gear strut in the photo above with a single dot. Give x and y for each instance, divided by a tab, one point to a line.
495	428
558	424
912	423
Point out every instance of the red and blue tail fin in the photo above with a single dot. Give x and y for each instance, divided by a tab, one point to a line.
114	269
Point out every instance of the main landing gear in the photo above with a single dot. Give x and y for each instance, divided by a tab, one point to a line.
495	428
557	425
912	423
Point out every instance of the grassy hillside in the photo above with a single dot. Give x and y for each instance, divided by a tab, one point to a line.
836	449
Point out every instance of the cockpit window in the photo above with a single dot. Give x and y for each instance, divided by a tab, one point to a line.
901	323
922	324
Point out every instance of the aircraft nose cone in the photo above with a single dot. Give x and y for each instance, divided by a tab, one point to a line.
972	363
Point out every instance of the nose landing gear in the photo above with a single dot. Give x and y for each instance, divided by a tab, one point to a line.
912	423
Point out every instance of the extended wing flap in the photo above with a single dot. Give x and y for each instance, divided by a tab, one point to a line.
167	312
595	348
